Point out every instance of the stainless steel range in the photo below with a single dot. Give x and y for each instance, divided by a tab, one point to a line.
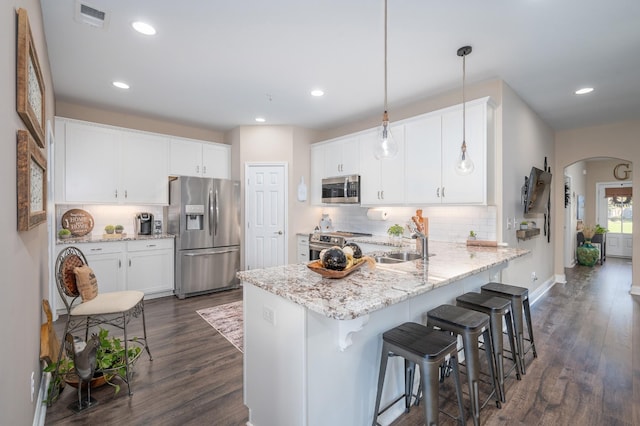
321	241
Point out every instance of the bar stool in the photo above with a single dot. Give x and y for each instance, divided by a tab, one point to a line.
519	297
497	308
428	348
470	325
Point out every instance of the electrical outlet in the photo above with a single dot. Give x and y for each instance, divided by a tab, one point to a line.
269	315
534	277
509	223
33	385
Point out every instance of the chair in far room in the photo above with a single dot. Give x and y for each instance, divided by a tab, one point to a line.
87	308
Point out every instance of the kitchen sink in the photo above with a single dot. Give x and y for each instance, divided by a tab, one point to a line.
403	256
384	259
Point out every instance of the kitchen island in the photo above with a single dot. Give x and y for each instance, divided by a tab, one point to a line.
312	345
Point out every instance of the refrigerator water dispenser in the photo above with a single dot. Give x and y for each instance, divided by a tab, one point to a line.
195	216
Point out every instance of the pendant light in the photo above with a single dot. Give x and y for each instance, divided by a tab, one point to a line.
464	165
386	146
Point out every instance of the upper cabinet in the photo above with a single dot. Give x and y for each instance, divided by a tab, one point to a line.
432	143
101	164
382	181
423	173
202	159
341	157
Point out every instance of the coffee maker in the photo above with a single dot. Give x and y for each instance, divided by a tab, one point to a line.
144	223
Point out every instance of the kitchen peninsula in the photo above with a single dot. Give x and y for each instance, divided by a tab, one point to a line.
312	345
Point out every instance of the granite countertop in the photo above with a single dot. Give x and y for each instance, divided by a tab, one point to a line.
100	239
367	290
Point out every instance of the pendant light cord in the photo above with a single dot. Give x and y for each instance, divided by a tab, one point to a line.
385	56
464	111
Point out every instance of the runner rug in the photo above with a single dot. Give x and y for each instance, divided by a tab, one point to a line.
227	320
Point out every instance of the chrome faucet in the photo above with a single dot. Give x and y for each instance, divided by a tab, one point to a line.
424	250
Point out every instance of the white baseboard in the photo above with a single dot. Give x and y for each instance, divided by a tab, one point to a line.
541	290
635	290
41	406
561	278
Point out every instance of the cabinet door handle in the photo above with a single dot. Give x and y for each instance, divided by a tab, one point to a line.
197	169
151	245
438	192
382	194
96	249
116	192
129	262
119	263
204	169
443	192
125	193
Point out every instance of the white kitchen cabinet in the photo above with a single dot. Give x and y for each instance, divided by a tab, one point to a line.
433	143
89	156
303	248
107	261
150	266
145	168
317	173
382	181
201	159
341	157
102	164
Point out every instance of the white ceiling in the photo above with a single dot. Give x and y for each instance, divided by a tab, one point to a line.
219	64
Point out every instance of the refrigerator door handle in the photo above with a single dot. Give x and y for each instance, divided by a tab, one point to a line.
210	253
215	229
210	213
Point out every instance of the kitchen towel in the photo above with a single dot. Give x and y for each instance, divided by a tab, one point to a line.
377	214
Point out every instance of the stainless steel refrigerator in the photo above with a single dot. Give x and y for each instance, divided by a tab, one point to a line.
204	215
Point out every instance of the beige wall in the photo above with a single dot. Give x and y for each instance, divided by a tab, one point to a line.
618	140
277	144
138	122
23	255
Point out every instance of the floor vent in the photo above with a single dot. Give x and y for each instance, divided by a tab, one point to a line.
91	16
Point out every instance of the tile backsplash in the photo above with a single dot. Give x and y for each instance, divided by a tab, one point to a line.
111	215
446	223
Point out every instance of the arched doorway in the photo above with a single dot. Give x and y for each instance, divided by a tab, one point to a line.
598	191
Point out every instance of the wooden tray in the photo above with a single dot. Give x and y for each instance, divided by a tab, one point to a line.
316	267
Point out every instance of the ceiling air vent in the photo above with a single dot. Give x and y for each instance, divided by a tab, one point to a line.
91	16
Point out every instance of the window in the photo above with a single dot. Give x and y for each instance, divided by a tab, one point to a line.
620	214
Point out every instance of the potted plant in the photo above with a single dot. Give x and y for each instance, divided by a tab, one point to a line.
119	229
472	235
524	225
110	361
109	229
63	234
600	230
395	232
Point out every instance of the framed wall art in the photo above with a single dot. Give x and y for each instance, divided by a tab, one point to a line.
30	93
32	183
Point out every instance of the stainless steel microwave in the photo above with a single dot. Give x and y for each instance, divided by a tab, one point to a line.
341	190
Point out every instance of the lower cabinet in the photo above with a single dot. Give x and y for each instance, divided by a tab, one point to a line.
303	248
144	265
150	266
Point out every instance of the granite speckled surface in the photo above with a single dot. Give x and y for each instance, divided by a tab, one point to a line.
367	290
98	239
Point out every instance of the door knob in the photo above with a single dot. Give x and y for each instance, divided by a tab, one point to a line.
278	232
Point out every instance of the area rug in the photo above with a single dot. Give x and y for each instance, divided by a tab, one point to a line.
227	320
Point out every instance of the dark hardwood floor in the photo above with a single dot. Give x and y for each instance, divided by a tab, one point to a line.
587	372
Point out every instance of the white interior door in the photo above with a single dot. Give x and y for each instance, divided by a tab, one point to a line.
265	215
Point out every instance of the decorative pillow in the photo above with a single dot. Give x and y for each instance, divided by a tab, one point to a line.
68	276
86	282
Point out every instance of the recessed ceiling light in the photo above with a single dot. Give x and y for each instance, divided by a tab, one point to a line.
584	90
260	119
143	28
120	85
317	93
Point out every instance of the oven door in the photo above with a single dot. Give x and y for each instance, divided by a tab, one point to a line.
314	251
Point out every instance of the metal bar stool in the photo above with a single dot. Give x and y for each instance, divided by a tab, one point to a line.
519	297
470	325
496	308
428	348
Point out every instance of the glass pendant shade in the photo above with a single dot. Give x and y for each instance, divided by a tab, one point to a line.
386	146
464	165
